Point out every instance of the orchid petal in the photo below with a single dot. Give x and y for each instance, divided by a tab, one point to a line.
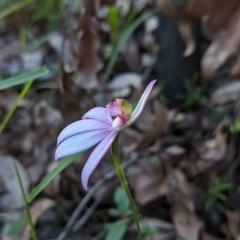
98	113
95	157
81	126
139	108
80	142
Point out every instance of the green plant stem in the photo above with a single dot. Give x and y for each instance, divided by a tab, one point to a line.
29	216
124	183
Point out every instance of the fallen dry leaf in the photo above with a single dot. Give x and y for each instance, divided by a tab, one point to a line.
235	70
158	127
146	185
225	94
220	13
186	223
131	55
178	189
216	148
122	83
206	236
233	221
37	210
185	30
88	61
68	61
225	45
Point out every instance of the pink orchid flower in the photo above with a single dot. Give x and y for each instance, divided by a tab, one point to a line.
98	125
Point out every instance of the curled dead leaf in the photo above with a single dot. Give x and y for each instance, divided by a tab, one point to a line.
185	30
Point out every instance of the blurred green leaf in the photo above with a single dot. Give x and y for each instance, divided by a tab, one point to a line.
116	230
121	199
50	176
26	77
235	127
17	226
114	212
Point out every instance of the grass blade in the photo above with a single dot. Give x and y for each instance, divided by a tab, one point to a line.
12	110
23	78
29	216
124	36
15	7
48	178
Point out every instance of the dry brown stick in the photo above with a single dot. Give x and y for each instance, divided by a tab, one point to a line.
98	184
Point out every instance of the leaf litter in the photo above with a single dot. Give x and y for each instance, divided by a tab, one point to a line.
189	146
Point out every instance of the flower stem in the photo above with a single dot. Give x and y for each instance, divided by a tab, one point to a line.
124	183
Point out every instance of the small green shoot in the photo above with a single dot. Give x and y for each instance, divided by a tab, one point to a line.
113	19
235	126
29	216
196	94
216	195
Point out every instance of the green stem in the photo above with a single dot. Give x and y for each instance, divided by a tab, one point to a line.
124	183
29	216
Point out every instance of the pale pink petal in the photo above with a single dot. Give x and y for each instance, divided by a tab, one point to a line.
95	157
98	113
80	142
81	126
139	108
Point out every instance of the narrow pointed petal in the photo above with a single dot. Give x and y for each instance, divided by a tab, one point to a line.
81	126
95	157
98	113
139	108
80	142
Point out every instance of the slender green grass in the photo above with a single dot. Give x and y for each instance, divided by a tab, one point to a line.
15	7
10	82
29	216
12	110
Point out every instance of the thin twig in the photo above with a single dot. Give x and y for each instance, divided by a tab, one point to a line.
100	235
89	212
